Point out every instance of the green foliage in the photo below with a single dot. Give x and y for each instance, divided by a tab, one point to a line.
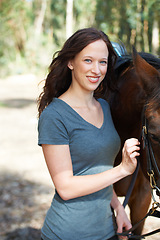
13	25
128	20
84	13
58	20
14	22
20	48
23	46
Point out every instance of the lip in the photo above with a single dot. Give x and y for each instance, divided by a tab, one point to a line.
93	79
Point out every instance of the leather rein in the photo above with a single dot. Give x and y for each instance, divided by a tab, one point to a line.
152	167
152	171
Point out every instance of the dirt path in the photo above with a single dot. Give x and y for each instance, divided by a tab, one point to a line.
25	186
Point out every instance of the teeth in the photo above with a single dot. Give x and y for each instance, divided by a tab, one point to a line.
93	78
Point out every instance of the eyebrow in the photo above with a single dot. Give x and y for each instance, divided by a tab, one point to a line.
106	58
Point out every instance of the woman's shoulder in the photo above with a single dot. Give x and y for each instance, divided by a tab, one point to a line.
54	108
52	126
103	102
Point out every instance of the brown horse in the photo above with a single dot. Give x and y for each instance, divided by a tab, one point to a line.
138	85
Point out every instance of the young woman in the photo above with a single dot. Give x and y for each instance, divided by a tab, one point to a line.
80	143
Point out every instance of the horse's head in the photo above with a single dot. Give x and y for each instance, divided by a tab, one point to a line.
149	78
147	71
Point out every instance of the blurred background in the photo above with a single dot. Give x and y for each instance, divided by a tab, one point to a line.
30	32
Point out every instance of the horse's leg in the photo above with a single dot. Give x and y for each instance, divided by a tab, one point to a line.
139	203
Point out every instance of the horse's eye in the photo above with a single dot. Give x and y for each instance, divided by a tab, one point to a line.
154	138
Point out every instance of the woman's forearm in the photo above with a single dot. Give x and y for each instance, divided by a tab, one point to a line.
115	203
77	186
69	186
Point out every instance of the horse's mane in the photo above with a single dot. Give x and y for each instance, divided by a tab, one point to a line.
125	59
151	59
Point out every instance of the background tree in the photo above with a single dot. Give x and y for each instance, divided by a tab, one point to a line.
14	22
69	18
131	21
31	30
154	7
40	17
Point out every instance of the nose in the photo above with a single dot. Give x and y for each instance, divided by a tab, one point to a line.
96	68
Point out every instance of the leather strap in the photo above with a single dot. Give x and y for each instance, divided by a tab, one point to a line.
129	234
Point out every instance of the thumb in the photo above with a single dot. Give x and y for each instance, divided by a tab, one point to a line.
120	228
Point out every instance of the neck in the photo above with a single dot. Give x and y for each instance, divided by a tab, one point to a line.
78	98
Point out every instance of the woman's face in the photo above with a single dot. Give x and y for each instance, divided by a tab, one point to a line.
89	66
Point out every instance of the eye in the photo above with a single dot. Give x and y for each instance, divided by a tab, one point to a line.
87	60
154	138
103	62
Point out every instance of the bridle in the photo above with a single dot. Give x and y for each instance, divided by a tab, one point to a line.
152	171
152	167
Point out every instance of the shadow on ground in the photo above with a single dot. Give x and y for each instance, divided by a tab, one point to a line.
23	205
24	234
16	102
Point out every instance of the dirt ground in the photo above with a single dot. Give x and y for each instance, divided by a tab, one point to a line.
26	189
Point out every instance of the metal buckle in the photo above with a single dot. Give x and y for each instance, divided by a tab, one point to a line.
144	134
155	205
152	179
145	130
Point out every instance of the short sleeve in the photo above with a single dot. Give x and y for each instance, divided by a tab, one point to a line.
51	129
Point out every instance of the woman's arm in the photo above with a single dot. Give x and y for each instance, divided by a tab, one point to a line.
122	220
68	186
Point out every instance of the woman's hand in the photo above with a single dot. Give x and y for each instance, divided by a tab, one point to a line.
129	154
122	220
123	223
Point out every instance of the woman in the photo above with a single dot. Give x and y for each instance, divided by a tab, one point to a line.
80	143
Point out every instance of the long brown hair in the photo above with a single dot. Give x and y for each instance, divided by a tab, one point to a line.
59	77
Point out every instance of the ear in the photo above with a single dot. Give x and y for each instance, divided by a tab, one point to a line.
70	65
149	76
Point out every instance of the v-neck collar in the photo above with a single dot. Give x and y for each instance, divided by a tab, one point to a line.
77	114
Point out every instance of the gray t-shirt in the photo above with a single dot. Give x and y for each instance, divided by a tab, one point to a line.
93	150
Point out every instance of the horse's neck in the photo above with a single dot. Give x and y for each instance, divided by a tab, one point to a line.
128	100
126	105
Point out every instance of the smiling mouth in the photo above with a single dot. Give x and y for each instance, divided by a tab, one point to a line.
93	79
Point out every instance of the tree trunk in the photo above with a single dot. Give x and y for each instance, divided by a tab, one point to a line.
139	26
69	18
133	37
40	18
145	28
155	37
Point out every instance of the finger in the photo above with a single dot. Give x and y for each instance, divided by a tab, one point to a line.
131	142
134	155
119	229
134	140
133	149
122	237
